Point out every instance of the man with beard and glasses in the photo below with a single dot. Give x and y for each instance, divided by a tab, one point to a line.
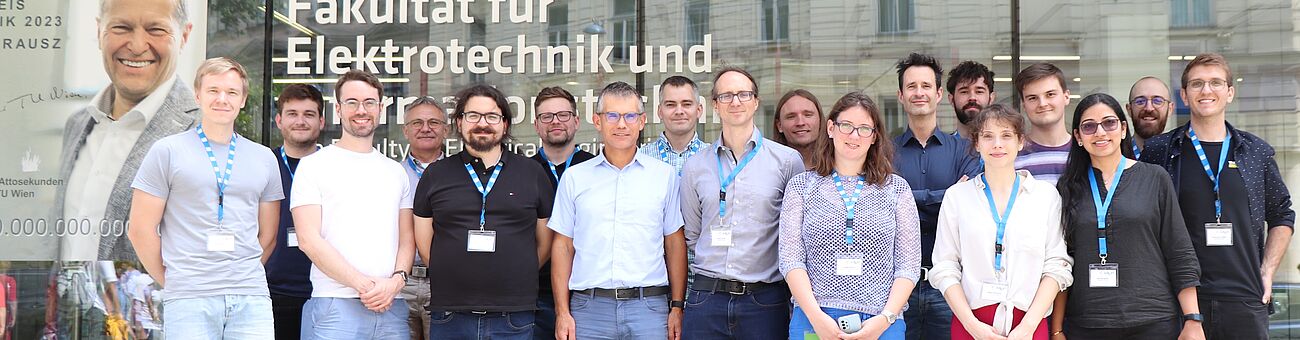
481	216
556	124
352	209
931	161
680	109
288	270
1149	107
970	89
425	129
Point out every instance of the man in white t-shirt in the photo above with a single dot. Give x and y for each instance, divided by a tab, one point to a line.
351	206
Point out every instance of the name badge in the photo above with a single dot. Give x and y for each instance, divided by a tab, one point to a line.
1103	275
993	291
1218	234
482	241
219	241
293	238
720	236
848	264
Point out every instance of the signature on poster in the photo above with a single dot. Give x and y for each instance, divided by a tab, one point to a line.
22	100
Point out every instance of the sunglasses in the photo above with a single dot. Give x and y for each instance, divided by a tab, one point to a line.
1110	124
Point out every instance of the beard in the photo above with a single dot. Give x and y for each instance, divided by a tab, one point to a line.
1148	131
482	143
563	139
968	112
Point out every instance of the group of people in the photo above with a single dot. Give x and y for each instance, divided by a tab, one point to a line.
832	229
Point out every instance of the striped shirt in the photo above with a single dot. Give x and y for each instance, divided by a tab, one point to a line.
1046	163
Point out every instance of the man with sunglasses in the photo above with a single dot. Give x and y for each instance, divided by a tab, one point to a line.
680	110
351	207
1149	108
481	219
425	128
931	161
731	203
1237	209
620	255
556	123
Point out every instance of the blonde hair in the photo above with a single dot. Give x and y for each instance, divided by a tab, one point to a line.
219	65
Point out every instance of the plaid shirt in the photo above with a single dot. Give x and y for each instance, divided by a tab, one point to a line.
660	149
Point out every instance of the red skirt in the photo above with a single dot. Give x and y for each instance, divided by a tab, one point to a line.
985	315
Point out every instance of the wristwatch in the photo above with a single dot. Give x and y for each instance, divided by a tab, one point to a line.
890	317
1193	317
403	272
677	304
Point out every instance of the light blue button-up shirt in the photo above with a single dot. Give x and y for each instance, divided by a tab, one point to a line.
753	209
618	219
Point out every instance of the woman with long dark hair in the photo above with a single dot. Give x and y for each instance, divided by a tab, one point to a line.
850	238
999	257
1123	226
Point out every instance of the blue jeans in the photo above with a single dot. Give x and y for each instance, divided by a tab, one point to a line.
800	328
545	323
606	318
928	316
219	317
763	314
484	326
347	318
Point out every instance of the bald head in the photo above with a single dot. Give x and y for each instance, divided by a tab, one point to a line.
1149	105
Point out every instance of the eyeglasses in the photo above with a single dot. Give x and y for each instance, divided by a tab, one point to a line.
848	128
630	117
431	123
1110	124
1156	101
1215	84
371	105
743	96
475	117
562	116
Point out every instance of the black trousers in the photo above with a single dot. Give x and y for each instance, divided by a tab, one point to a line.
1235	319
1163	329
288	316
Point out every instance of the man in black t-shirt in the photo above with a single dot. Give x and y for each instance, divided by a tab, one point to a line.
1237	210
556	124
485	256
299	119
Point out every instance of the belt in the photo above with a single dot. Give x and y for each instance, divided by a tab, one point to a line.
418	271
925	274
706	283
625	293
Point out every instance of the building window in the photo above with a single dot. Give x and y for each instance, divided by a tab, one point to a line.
557	25
697	21
623	27
1189	13
897	16
776	20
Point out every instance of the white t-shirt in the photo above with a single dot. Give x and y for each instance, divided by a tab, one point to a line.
361	195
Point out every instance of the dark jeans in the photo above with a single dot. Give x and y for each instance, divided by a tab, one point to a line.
1163	329
481	326
1234	319
287	311
928	316
544	325
757	315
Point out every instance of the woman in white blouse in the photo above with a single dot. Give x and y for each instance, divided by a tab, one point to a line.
1000	281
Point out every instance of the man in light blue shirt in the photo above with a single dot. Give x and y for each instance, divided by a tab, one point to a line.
680	109
731	201
608	267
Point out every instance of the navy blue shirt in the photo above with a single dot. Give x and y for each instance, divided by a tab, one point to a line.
288	270
930	170
1227	272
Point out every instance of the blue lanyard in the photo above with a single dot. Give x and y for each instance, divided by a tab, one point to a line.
285	158
666	148
850	205
1214	176
484	190
230	165
724	182
1104	207
1137	153
1002	220
554	172
419	170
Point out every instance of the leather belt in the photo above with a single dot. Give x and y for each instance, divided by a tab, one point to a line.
625	293
706	283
